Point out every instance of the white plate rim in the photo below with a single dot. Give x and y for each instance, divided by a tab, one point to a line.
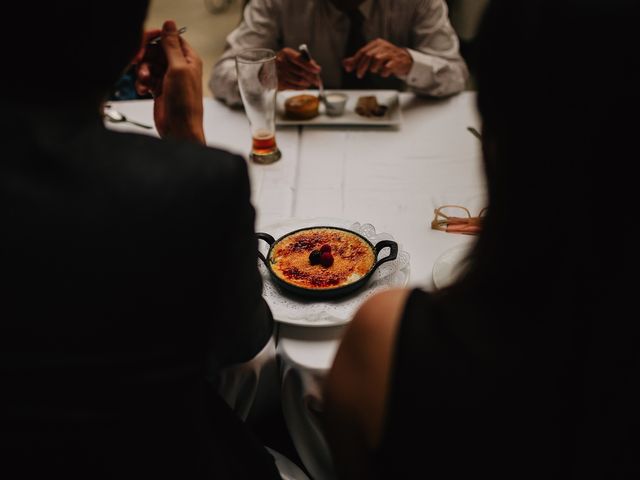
445	268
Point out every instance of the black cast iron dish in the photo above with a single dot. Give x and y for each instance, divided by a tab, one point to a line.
327	292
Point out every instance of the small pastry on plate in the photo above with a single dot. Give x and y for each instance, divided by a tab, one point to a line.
368	106
302	107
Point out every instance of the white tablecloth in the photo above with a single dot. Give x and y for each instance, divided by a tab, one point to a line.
391	178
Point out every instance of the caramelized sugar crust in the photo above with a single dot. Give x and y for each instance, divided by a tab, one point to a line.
352	258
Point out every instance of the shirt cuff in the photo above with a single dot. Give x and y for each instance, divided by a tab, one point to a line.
424	69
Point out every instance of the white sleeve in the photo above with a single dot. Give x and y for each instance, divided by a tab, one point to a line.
438	69
259	28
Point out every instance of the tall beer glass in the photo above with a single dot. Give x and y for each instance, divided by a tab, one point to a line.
258	84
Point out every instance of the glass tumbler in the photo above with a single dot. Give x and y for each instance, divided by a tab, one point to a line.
258	84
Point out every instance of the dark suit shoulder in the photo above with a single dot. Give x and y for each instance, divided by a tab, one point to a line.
173	160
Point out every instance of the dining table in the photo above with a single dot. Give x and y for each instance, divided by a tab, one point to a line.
383	180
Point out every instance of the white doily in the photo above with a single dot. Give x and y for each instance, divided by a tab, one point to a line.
289	308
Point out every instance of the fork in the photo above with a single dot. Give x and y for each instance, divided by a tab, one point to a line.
304	50
156	40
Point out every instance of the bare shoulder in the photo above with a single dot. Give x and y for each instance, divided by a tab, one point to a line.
380	313
359	379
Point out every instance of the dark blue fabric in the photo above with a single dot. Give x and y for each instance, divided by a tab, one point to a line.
125	87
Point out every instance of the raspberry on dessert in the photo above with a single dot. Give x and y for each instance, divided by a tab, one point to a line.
326	259
325	248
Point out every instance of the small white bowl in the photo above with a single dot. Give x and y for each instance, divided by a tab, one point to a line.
335	103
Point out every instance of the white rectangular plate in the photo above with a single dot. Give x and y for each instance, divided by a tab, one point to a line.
390	98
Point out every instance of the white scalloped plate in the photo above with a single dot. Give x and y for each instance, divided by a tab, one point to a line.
288	308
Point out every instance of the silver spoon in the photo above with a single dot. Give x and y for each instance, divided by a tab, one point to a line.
115	116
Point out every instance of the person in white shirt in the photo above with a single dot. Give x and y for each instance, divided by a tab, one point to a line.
354	43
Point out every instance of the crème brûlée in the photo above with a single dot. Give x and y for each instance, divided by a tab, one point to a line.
353	258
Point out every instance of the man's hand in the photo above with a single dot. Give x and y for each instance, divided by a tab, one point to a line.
172	73
380	57
294	72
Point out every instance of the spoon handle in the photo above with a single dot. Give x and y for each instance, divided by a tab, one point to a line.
138	124
475	133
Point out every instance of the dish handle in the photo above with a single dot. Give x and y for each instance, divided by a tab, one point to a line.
392	255
270	240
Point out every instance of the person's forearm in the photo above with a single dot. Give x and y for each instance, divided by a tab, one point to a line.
258	29
224	82
438	68
436	76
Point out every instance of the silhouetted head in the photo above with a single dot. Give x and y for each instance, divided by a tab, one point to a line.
81	47
557	80
551	277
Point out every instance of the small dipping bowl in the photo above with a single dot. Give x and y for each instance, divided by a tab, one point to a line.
335	103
